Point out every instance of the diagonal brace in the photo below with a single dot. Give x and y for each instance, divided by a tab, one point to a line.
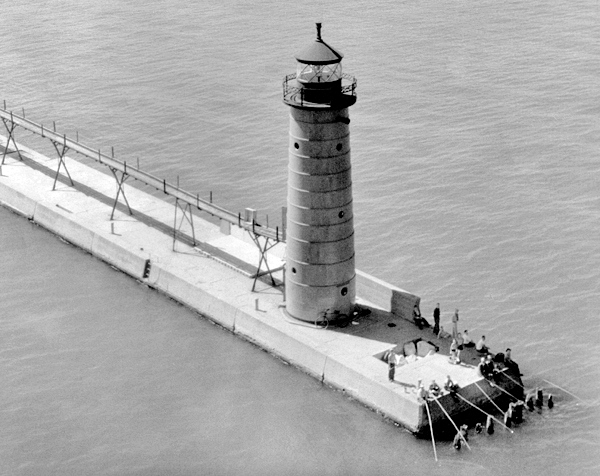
61	160
120	190
11	136
187	215
263	248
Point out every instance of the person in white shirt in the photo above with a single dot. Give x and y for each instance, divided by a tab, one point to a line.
467	341
481	346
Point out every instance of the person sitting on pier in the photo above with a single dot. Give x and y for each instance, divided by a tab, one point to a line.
481	367
434	389
421	393
454	357
481	347
454	353
460	341
443	334
510	363
420	321
491	367
467	341
454	345
450	386
486	368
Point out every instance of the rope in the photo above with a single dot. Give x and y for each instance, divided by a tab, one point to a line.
513	380
484	412
452	421
554	385
431	428
507	392
488	397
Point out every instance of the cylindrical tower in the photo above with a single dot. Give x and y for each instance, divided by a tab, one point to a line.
320	272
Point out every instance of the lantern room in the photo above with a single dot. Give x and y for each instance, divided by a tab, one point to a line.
318	78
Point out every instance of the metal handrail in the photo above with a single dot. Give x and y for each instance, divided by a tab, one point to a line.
144	177
290	92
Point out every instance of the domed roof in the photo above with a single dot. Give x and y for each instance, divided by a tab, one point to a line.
319	52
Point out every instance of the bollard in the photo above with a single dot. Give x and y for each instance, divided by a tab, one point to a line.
256	304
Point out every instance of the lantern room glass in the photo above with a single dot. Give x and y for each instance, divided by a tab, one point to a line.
318	73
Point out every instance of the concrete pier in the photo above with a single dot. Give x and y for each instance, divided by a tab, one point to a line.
213	278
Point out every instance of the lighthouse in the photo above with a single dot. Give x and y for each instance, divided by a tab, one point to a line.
320	266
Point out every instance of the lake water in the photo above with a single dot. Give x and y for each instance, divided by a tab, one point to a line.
475	144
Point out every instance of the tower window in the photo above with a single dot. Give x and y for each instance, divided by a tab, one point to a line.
339	146
341	214
293	270
344	291
296	145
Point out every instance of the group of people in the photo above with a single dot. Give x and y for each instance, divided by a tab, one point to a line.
488	367
459	341
434	389
438	330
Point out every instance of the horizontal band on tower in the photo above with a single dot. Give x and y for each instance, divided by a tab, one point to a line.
334	120
343	283
319	175
300	207
311	225
316	157
299	240
300	190
318	140
312	265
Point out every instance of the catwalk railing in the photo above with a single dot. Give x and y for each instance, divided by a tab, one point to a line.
11	120
184	201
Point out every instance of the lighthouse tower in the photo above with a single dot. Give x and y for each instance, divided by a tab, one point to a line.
320	270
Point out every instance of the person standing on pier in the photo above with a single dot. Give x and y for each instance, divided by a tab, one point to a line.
436	319
455	324
391	366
